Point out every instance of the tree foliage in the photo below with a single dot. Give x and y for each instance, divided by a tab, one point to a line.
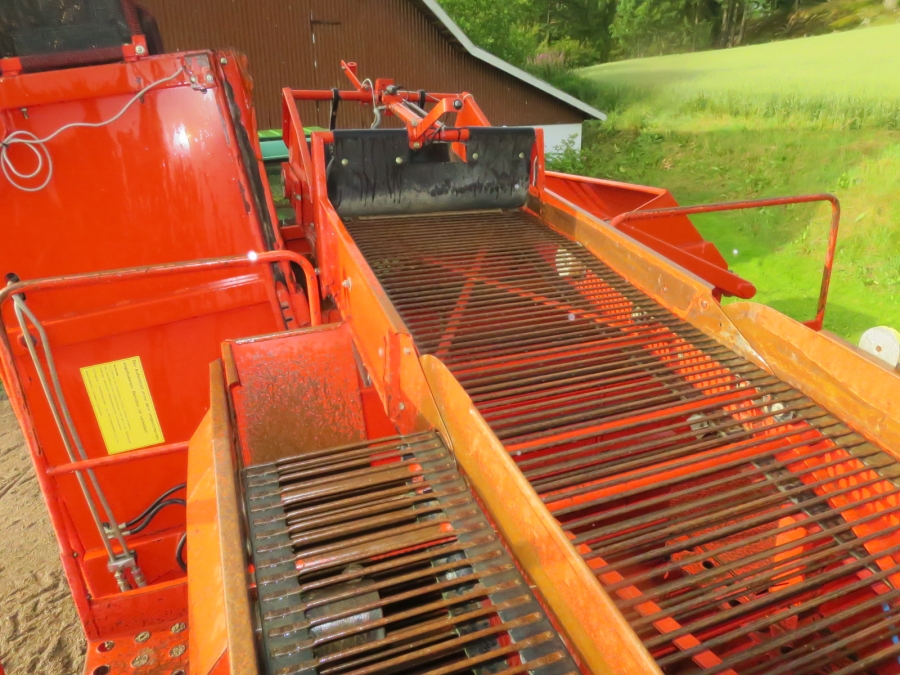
652	27
542	34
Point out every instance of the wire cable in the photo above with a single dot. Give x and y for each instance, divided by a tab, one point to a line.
137	519
378	109
179	552
38	147
159	507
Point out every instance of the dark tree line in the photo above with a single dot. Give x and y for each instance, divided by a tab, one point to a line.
546	33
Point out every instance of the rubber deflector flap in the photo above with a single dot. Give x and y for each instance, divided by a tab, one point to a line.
375	172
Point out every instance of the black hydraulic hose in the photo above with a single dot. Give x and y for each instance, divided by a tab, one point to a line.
179	552
156	502
156	509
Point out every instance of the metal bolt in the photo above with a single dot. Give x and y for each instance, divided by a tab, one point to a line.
106	646
417	145
521	155
140	660
348	283
474	155
223	61
210	78
704	304
318	271
139	50
24	112
143	636
177	651
193	79
380	351
345	162
399	160
402	406
178	627
407	351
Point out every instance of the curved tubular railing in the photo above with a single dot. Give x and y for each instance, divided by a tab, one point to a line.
620	222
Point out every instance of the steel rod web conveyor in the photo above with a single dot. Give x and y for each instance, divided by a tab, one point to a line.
739	526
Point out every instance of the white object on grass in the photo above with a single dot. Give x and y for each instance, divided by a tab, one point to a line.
883	342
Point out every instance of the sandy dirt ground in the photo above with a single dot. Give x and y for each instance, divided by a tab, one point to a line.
39	629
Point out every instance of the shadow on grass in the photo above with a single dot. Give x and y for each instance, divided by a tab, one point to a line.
839	318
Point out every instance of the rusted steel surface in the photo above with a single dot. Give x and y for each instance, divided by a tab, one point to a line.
295	391
739	526
374	557
301	44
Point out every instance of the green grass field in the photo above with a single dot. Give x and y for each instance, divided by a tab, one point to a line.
809	115
854	63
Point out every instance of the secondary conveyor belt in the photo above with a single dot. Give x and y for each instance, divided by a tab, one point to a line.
739	526
375	559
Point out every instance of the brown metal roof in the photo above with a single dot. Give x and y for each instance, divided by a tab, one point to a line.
301	43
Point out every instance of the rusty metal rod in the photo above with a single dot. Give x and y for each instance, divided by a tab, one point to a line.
581	341
300	522
638	455
676	528
655	404
851	640
684	582
853	636
632	354
802	564
706	537
645	427
626	386
768	620
360	589
664	497
637	369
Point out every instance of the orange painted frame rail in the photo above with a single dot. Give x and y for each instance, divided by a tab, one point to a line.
620	223
109	276
131	456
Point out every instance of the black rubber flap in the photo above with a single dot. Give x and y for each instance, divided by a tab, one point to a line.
41	27
375	172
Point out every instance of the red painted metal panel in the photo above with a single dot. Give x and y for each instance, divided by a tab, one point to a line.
171	179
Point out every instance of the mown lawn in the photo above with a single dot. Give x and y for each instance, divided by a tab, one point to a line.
853	63
810	115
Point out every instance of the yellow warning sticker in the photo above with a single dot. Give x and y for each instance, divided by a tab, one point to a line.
123	406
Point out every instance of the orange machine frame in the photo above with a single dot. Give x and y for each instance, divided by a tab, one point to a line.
154	237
